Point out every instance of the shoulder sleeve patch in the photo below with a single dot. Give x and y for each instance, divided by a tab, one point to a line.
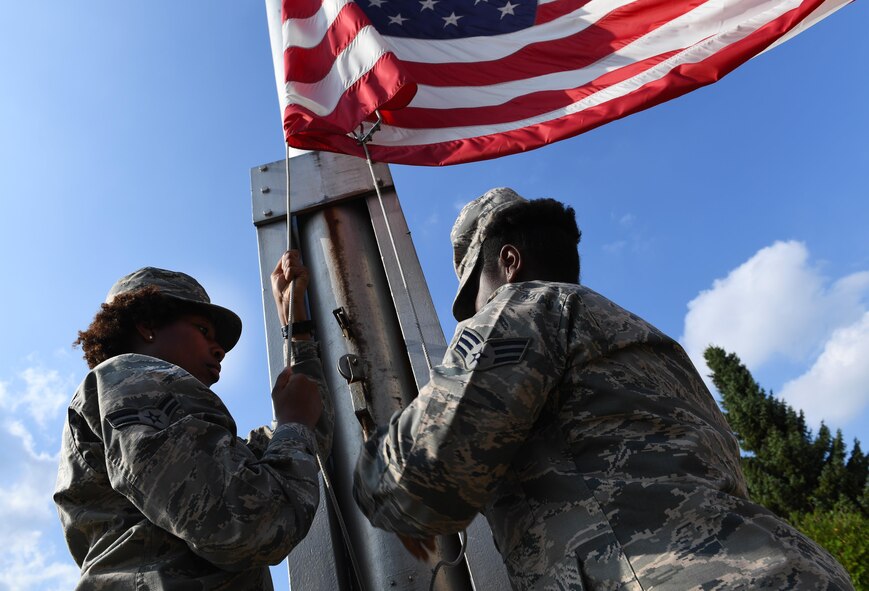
479	355
158	417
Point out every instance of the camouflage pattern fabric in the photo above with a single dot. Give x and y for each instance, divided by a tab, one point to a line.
156	491
594	449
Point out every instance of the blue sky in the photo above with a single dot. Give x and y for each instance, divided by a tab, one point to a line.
736	215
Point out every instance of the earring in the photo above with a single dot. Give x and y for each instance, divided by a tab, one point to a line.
150	337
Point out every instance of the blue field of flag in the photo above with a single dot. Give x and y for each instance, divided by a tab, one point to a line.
449	19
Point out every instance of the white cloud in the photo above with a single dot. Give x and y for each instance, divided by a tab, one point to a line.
774	304
19	430
840	373
43	393
27	498
31	559
26	565
34	556
631	236
614	247
777	305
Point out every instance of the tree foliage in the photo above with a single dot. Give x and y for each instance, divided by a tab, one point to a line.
843	533
787	469
808	480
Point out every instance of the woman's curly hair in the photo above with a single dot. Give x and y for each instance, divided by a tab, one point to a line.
113	329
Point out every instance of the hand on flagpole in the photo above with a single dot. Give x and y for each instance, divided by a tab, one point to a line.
290	276
296	399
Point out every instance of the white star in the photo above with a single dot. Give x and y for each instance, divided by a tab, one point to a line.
452	20
376	3
427	4
397	20
478	1
508	9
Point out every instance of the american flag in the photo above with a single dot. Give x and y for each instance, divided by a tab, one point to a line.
464	80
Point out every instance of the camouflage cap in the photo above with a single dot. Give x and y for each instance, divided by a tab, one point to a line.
183	287
467	237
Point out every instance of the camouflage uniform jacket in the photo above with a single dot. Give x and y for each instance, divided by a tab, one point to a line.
156	491
594	449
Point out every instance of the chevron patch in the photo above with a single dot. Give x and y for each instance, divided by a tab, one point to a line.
157	417
479	355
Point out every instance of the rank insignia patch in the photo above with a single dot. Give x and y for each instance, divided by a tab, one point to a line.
480	355
157	417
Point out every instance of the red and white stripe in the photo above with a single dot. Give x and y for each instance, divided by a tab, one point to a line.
583	64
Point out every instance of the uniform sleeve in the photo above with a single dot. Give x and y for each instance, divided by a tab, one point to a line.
171	450
438	462
307	357
258	440
306	354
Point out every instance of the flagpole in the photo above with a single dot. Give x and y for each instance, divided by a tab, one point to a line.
377	559
289	354
363	138
288	348
289	358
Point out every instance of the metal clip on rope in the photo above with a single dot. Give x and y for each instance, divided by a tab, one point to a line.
363	137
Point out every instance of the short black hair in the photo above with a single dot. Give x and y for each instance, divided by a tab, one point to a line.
113	329
544	231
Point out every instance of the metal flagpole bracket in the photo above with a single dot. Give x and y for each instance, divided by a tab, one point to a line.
351	369
320	179
362	136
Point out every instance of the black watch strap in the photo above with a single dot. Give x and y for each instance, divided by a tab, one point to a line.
301	327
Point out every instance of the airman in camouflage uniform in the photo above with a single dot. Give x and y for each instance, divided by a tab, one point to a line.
589	441
156	491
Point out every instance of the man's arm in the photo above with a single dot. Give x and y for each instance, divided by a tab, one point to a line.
440	460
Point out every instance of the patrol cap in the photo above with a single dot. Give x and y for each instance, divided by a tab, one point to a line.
468	235
182	287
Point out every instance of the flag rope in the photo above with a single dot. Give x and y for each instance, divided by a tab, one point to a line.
289	359
463	537
363	138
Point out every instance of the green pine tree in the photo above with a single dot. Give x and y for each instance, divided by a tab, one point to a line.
786	468
804	479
